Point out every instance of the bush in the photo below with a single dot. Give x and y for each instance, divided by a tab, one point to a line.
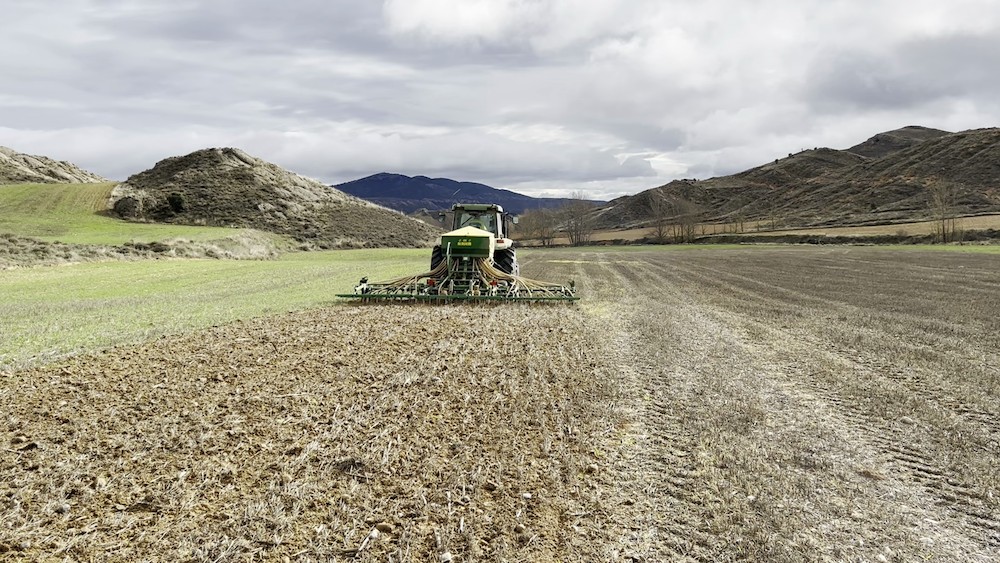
128	208
176	203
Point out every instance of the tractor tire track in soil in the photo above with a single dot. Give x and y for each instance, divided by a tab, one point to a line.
662	482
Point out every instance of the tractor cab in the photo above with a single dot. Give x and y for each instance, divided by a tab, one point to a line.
488	217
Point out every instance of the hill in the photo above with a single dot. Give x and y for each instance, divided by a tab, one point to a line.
411	194
17	168
828	187
228	187
884	144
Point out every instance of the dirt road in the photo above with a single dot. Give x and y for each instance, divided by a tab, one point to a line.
776	404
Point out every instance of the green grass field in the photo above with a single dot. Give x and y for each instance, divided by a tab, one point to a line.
971	248
72	213
52	311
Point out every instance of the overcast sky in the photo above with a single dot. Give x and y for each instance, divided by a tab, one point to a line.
545	97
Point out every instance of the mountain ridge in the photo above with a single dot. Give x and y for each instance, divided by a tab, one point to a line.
410	194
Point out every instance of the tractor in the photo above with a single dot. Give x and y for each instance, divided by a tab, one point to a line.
474	261
486	217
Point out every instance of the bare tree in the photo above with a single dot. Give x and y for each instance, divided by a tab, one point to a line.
675	221
739	223
942	199
661	211
538	224
577	220
685	222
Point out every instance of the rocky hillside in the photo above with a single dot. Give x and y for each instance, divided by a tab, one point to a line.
228	187
884	144
887	179
17	168
411	194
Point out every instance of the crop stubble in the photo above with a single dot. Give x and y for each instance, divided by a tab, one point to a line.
807	404
368	433
763	404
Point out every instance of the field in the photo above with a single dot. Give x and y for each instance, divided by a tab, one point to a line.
775	403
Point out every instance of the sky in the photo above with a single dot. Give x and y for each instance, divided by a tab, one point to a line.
543	97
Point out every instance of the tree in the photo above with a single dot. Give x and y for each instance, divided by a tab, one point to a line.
661	211
739	223
538	224
942	199
577	220
685	221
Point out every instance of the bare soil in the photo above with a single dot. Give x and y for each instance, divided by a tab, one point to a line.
709	405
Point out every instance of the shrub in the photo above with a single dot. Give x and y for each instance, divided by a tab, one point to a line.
176	203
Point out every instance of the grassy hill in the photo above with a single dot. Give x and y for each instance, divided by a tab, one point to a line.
77	214
60	223
191	196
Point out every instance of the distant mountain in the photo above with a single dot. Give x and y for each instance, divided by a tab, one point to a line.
411	194
228	187
17	168
886	179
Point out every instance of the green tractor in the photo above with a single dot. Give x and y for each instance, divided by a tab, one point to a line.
490	218
474	261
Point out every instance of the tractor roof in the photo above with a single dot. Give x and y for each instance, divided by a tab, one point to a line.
477	207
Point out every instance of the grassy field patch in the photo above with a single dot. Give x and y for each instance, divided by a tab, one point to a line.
49	312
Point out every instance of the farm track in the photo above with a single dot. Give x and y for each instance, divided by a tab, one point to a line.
712	405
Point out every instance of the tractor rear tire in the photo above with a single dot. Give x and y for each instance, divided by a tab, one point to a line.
436	257
506	261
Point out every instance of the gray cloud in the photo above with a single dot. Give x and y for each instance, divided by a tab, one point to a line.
912	74
546	96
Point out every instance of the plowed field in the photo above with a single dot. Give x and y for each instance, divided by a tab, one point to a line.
762	404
